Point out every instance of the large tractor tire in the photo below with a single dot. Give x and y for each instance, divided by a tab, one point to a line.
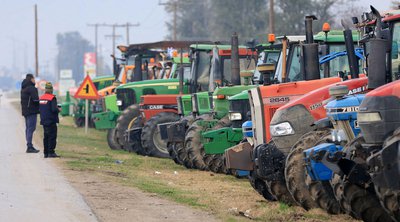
176	150
111	140
295	173
151	138
277	186
129	119
193	146
321	191
390	199
261	187
216	162
279	191
360	202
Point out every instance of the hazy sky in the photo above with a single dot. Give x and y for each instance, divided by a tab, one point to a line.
55	16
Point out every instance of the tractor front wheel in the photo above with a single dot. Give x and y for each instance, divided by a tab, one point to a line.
111	140
260	186
151	138
295	174
129	117
321	191
193	145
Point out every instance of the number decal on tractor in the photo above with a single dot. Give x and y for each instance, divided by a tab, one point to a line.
278	100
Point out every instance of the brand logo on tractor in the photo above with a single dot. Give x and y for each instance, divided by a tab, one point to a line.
155	106
358	90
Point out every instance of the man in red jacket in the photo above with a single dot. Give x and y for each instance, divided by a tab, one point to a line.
49	119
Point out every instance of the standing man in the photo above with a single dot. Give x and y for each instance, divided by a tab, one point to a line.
30	109
49	119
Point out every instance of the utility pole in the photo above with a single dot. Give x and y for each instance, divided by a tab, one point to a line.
174	5
113	36
271	17
127	30
36	44
96	49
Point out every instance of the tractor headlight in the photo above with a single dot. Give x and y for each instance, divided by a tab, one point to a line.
281	129
235	116
194	104
119	102
369	117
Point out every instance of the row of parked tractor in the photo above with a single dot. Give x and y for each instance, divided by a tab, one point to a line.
310	120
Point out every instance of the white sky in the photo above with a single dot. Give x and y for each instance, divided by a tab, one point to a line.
55	16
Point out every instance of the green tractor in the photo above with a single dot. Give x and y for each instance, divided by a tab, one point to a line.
120	106
208	64
199	106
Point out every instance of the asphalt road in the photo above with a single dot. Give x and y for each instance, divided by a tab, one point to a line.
31	188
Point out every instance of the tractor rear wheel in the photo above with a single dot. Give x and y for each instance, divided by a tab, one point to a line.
359	201
129	118
151	138
193	145
321	191
260	186
112	143
295	174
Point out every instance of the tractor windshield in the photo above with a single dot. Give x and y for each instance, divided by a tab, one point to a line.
245	63
395	51
121	74
294	67
339	64
201	66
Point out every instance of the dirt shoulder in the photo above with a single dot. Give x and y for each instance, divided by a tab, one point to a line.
112	201
122	186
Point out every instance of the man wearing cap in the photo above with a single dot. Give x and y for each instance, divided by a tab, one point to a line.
49	119
30	109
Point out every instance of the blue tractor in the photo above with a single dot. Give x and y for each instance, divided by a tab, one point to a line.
337	165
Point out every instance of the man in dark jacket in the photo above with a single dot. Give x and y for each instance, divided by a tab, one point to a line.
30	109
49	119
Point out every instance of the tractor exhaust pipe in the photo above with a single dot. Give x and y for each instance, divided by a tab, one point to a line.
351	55
309	28
235	68
138	75
376	55
181	73
310	60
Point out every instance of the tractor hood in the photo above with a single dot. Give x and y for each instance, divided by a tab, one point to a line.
244	95
145	83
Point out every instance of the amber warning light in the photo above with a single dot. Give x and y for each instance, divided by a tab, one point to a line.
271	38
326	27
